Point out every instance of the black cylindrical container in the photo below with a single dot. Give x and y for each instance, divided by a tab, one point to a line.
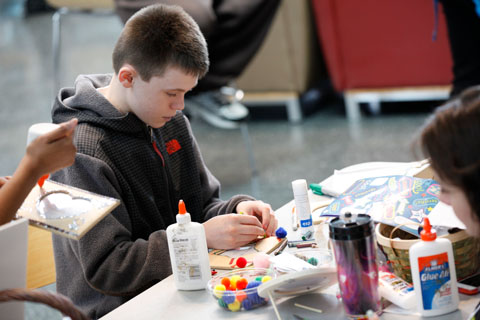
354	246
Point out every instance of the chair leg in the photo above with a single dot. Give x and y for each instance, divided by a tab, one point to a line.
56	46
251	158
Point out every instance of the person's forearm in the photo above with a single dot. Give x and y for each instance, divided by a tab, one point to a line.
14	192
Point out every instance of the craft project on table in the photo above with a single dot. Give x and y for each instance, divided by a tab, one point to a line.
394	200
226	259
65	210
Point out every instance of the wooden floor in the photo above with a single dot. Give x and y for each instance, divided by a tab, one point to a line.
40	261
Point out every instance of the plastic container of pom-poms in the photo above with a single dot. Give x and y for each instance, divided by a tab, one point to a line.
237	290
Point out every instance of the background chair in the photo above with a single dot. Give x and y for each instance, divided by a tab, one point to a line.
374	56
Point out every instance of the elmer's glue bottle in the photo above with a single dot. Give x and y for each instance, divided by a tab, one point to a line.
188	250
433	273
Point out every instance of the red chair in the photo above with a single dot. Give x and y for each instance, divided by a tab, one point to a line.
382	50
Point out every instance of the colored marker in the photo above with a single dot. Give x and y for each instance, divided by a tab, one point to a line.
301	243
323	191
305	245
307	236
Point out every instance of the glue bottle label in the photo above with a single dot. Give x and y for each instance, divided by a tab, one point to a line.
435	281
187	258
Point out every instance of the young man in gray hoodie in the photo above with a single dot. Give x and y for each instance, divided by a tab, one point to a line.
134	144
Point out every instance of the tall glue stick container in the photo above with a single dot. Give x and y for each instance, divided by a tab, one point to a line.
188	250
302	207
433	273
34	132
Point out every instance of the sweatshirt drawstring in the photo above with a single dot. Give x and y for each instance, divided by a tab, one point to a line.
155	147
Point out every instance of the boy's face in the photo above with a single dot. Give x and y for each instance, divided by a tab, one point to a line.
455	197
155	102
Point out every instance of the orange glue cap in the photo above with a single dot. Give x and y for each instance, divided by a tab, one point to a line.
428	234
42	179
181	207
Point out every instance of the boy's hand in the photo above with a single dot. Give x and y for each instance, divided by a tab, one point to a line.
263	211
53	150
230	231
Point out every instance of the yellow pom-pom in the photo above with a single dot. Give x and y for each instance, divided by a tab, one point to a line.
266	278
233	281
235	306
218	290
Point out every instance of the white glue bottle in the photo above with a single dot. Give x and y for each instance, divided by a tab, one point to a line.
188	250
396	290
433	273
302	207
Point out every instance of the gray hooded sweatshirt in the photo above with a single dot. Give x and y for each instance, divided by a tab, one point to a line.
149	170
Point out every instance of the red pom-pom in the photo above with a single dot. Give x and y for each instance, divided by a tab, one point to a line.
242	283
241	262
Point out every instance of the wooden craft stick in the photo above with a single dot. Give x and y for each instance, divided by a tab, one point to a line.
308	308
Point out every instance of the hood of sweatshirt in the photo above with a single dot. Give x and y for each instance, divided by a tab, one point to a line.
84	102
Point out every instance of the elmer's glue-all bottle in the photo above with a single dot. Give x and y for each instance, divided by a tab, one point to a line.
433	273
187	245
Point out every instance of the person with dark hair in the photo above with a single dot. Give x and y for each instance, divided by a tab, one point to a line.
234	30
135	145
451	140
47	153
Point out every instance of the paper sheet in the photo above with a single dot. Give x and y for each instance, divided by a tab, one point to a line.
342	179
443	215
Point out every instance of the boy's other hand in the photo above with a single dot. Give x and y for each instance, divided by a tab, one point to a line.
230	231
263	212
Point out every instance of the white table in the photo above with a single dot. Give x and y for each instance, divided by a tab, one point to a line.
164	301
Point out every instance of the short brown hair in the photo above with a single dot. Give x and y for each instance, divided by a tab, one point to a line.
451	139
159	36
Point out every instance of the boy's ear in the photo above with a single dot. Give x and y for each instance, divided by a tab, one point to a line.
126	75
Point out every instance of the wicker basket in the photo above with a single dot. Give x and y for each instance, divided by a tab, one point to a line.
465	250
54	300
